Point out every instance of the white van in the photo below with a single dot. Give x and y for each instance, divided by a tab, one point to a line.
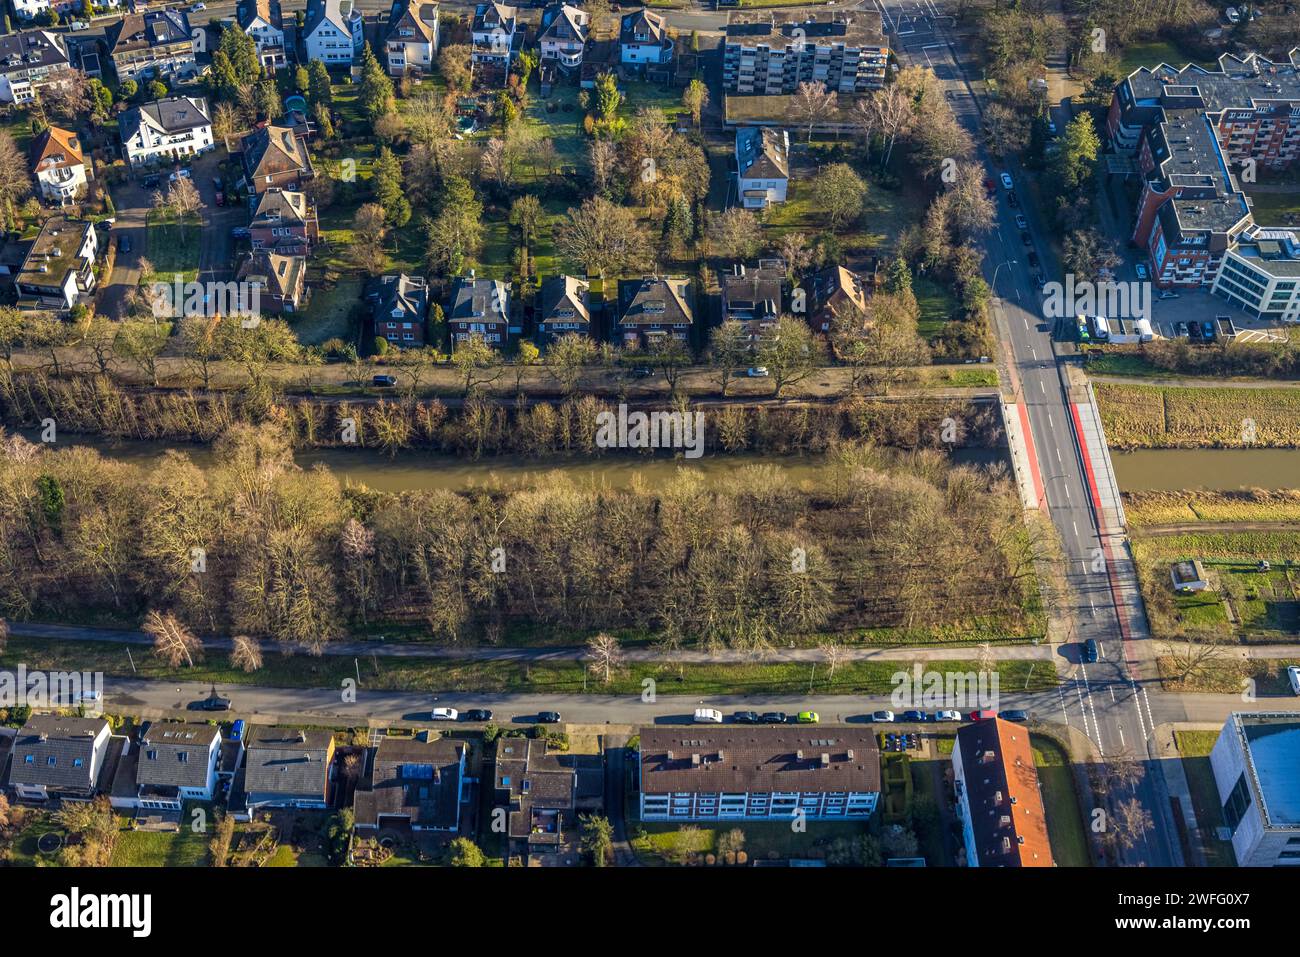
708	716
1293	675
1101	328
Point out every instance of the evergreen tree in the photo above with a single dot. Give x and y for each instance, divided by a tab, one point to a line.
388	188
376	88
897	276
322	94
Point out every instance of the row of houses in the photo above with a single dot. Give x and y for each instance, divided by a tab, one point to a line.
423	782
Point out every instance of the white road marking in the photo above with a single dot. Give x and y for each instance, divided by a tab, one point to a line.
1042	388
1058	457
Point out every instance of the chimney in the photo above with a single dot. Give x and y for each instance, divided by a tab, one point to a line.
670	755
988	757
695	760
826	760
850	754
799	755
997	798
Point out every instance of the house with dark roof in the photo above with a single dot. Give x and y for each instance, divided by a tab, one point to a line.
157	44
496	35
999	803
836	291
280	281
275	156
333	31
401	310
644	39
754	297
563	36
416	782
58	165
544	792
654	307
287	767
29	61
739	772
262	20
166	130
284	222
57	756
563	306
480	308
58	268
762	166
176	762
411	37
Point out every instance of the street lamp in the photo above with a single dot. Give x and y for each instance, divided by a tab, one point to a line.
994	283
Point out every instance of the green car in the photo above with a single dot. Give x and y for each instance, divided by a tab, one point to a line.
807	717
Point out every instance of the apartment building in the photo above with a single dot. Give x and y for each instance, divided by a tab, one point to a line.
411	37
846	53
999	803
58	270
262	20
333	32
1188	132
30	61
153	45
1261	274
758	773
166	130
1256	765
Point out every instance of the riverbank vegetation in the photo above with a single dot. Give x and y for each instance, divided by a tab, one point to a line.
1178	357
1189	507
256	546
1163	417
96	405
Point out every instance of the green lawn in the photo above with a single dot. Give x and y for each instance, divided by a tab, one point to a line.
1195	747
546	677
1273	209
662	843
182	848
173	248
286	856
937	306
23	852
1061	803
329	314
1137	55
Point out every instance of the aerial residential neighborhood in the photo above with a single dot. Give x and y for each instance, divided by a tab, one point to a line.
699	434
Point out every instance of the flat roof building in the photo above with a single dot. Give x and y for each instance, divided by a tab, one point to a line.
1256	765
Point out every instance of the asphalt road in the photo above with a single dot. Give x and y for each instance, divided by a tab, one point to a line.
1113	708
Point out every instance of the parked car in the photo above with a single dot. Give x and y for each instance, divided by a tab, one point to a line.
78	25
773	717
124	244
214	702
982	715
745	717
1025	238
1232	15
92	697
757	372
1006	181
948	715
1021	222
1014	714
150	182
1140	270
1293	677
1012	200
708	716
384	380
476	714
1032	259
807	717
182	173
548	717
1167	294
240	232
884	717
198	8
1089	652
444	714
914	716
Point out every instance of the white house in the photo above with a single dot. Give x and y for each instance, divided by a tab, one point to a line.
261	20
493	34
29	61
563	36
58	165
762	166
411	37
55	756
761	773
58	270
333	31
176	762
643	38
165	130
1254	764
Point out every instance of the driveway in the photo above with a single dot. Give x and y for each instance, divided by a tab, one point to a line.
217	248
132	202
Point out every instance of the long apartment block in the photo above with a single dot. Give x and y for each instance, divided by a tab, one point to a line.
845	52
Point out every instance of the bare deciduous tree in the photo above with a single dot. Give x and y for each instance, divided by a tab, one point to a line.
172	641
246	654
606	656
